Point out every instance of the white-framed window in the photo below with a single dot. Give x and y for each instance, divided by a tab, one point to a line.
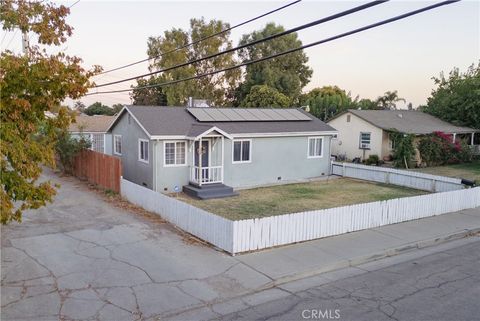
143	145
117	144
98	142
315	147
365	139
242	151
174	153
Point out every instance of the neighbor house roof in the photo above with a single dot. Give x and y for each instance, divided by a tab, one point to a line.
177	121
408	121
91	124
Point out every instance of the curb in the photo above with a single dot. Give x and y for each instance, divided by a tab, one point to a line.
408	247
373	257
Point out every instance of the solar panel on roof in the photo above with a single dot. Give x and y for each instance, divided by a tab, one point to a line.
246	114
217	115
200	114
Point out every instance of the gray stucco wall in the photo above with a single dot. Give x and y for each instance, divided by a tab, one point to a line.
133	170
108	144
272	157
171	176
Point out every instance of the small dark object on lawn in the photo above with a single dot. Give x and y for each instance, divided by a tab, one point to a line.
468	182
356	160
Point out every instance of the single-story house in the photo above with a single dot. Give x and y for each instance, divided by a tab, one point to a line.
362	133
209	151
95	129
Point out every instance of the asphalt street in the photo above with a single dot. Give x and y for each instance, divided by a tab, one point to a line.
440	286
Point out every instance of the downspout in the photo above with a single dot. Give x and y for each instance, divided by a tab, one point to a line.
154	165
330	156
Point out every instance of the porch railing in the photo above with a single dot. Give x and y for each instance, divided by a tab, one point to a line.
206	175
475	149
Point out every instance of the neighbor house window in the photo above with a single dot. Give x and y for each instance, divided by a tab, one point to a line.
242	151
175	153
143	150
315	147
117	144
348	118
365	140
97	143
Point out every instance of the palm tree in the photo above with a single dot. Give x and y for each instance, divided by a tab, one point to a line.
388	100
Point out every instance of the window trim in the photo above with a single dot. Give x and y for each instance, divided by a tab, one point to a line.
360	140
115	145
175	155
308	147
241	148
140	141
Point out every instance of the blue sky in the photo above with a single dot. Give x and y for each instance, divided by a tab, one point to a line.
401	56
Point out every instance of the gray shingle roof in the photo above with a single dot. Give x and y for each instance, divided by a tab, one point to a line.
91	124
408	121
165	121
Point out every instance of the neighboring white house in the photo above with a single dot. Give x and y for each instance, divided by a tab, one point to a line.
95	129
362	133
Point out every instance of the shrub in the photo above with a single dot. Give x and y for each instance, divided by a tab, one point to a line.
404	150
372	159
67	147
438	149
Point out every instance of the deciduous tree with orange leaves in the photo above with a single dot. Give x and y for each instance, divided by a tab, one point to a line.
31	84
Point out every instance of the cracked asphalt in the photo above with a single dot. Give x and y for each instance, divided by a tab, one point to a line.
81	258
443	285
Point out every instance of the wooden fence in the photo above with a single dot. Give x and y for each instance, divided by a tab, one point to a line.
254	234
98	168
417	180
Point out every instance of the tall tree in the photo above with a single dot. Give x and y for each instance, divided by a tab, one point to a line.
457	97
389	100
154	96
288	74
264	96
31	85
98	108
328	101
366	104
215	88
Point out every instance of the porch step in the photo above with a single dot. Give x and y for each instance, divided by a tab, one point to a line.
209	191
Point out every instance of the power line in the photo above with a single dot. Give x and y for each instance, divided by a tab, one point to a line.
202	39
280	34
74	4
358	30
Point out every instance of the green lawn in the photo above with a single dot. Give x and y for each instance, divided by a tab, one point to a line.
469	171
284	199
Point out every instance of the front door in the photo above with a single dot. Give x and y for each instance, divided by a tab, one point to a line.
205	158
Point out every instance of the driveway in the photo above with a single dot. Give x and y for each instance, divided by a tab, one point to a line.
82	258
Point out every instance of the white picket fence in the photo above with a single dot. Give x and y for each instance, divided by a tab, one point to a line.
417	180
254	234
209	227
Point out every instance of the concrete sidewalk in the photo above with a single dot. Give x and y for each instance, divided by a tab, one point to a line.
301	260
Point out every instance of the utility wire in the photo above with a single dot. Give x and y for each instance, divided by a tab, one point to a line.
201	39
358	30
280	34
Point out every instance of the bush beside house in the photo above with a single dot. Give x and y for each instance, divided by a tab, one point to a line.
439	149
